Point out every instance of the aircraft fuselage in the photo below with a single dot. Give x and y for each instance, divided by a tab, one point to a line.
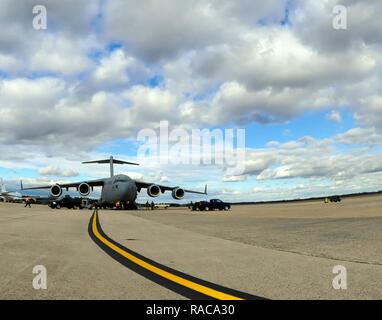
119	188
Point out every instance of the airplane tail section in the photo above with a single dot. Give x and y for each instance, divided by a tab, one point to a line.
112	161
2	186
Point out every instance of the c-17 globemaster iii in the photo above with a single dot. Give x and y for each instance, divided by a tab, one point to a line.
118	188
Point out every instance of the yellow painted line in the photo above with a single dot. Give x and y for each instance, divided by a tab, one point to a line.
165	274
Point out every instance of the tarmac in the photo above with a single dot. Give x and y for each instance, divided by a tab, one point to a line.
276	251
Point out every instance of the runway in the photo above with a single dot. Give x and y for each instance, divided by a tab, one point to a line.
275	251
176	281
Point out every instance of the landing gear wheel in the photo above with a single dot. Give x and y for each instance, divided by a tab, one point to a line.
131	206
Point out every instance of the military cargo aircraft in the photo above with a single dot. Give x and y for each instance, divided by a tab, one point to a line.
14	196
9	196
118	188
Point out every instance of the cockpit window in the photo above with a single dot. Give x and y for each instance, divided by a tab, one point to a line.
120	180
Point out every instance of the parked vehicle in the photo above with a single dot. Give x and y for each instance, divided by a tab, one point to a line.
161	206
333	199
73	203
213	204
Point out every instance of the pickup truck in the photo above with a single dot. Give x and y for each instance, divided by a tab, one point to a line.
213	204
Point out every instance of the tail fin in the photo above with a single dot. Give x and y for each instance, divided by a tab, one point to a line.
112	161
2	186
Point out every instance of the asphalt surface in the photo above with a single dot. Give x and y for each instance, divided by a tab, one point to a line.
278	251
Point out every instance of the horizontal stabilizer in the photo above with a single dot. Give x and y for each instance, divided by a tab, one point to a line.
114	161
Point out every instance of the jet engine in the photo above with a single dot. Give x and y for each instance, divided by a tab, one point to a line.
153	190
84	189
56	190
178	193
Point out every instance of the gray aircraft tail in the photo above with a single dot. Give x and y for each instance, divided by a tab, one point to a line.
2	186
111	161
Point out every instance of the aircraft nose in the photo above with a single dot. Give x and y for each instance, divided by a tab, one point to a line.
126	188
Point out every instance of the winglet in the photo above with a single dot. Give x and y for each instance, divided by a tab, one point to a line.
21	185
205	189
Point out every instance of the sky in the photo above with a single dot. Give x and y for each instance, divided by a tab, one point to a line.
308	95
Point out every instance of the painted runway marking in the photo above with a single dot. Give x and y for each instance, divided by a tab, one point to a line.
181	283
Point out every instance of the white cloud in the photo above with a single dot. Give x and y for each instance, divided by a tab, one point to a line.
234	178
60	48
236	103
315	159
364	136
334	116
158	31
112	69
370	112
312	21
150	105
49	112
57	172
57	53
8	62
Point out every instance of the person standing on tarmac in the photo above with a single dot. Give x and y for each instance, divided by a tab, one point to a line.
28	202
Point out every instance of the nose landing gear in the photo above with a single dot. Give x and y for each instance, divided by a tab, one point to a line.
126	205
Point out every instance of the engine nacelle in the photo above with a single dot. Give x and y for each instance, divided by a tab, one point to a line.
56	190
84	189
178	193
153	190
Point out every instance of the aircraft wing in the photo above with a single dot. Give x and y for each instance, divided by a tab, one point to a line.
92	183
11	195
144	185
5	193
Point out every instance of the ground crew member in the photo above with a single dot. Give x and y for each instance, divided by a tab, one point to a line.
28	202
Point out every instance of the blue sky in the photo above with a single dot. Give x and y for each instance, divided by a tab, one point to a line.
306	95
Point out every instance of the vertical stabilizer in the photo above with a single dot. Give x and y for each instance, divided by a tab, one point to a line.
2	186
111	167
